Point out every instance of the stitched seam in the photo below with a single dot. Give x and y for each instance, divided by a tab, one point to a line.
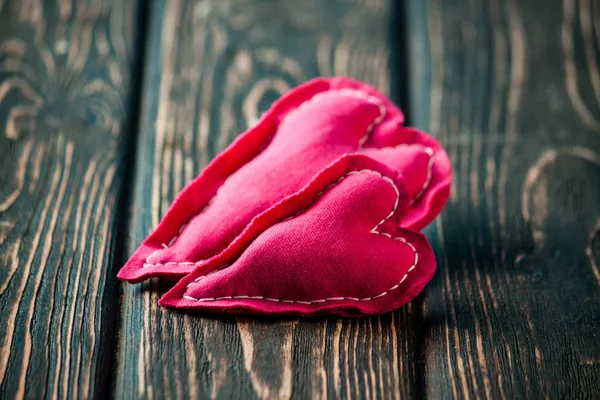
426	184
353	92
308	302
376	121
430	163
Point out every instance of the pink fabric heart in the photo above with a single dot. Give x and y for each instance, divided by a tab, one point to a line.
335	247
302	133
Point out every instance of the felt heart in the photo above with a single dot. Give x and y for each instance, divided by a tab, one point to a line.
302	133
335	247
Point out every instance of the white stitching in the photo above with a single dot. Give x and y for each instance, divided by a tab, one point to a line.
166	246
354	92
376	121
201	277
151	255
373	100
374	230
430	163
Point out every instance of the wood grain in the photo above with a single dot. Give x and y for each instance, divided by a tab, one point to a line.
213	67
65	89
511	88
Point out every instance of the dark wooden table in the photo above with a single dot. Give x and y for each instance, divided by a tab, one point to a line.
108	108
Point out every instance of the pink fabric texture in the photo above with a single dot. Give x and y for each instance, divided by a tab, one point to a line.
335	247
305	131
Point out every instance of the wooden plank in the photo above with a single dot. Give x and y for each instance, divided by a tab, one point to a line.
213	67
512	89
65	106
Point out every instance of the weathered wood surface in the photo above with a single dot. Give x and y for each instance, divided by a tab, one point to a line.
512	88
212	68
65	93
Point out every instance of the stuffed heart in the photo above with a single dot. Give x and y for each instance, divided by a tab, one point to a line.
302	133
335	247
